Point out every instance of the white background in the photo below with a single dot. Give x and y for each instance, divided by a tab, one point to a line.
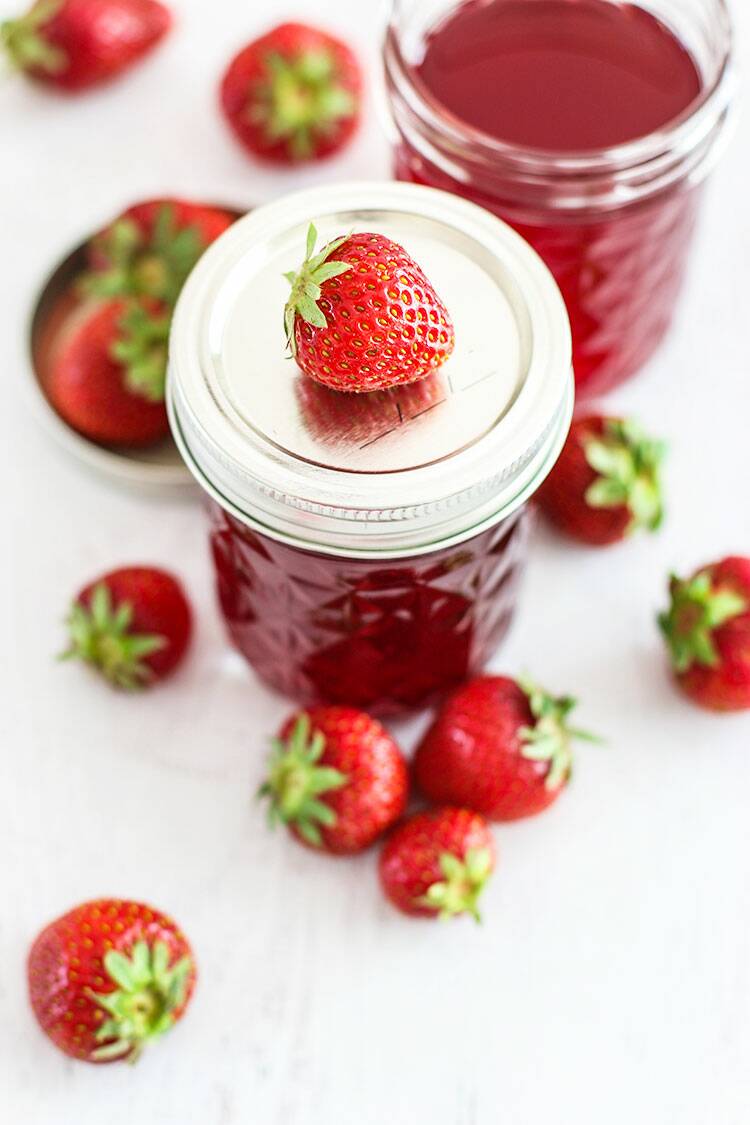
611	979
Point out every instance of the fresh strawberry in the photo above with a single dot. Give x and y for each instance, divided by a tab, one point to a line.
133	625
109	978
337	778
107	372
367	319
707	630
499	747
336	418
75	44
606	484
150	249
293	95
437	863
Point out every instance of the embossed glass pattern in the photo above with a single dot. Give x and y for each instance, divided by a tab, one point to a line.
614	226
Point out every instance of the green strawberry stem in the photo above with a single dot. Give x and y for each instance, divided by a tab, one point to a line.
143	1007
301	97
296	781
24	41
138	266
628	465
696	610
100	635
306	285
463	883
550	739
141	348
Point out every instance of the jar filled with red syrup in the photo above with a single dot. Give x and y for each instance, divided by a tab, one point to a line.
590	126
368	547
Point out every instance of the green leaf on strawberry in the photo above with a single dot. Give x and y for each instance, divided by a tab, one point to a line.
149	993
459	892
100	635
300	97
154	266
25	43
306	283
696	610
550	739
296	781
628	464
141	348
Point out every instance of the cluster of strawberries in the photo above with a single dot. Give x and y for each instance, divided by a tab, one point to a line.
111	976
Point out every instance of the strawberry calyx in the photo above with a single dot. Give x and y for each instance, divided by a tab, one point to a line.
550	739
697	608
141	264
306	284
464	880
628	464
296	781
141	348
25	43
100	635
299	98
144	1005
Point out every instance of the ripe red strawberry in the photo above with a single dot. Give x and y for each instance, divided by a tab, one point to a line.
133	625
367	319
75	44
707	630
437	863
606	483
337	778
107	371
293	95
109	978
150	249
499	747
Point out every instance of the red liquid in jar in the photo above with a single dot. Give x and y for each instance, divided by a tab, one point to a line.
559	74
384	636
575	75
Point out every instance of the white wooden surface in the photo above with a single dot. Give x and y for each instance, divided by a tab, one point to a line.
611	980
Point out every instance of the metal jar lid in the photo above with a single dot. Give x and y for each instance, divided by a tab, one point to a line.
398	472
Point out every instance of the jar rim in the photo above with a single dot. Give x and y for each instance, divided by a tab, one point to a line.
676	140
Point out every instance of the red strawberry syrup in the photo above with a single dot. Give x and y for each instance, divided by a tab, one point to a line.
571	77
383	636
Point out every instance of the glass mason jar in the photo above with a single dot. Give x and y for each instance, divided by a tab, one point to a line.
367	547
613	225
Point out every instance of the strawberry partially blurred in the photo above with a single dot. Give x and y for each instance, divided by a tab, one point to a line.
500	747
437	863
150	249
337	778
606	484
707	631
293	95
106	372
132	625
109	978
75	44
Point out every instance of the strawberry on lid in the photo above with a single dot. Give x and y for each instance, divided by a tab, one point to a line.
430	466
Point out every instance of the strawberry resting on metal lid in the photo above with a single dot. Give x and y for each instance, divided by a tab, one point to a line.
362	316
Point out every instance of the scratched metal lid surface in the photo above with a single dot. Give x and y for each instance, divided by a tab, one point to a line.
393	472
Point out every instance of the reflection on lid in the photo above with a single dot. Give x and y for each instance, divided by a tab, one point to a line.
358	420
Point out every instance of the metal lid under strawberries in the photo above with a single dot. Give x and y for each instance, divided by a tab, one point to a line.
396	471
